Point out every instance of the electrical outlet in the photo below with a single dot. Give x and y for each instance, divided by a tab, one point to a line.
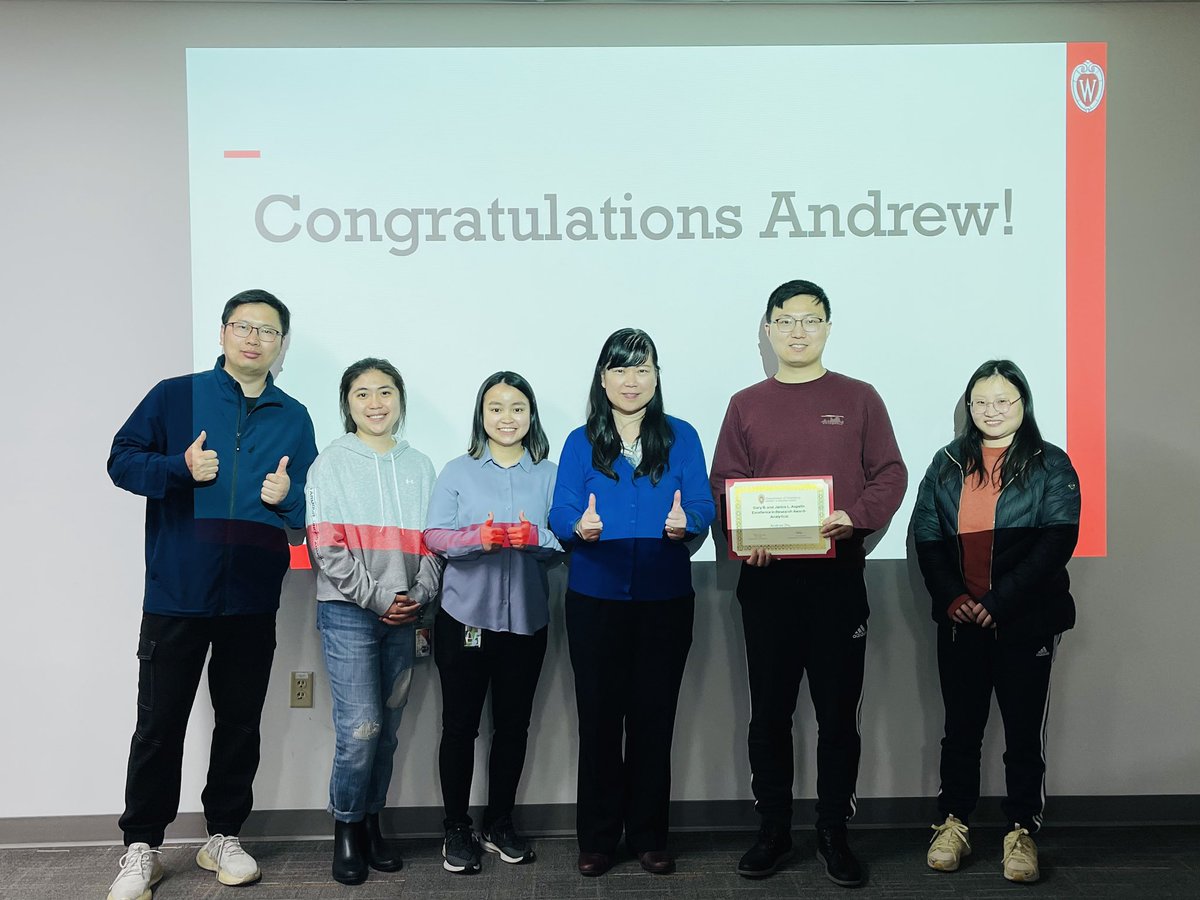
302	690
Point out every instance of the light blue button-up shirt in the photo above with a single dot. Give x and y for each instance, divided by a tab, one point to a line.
505	589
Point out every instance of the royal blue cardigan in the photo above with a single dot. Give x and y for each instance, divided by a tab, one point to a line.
633	559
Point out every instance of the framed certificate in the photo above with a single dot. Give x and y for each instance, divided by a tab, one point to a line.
781	515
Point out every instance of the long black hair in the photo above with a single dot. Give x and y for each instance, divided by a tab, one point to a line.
352	372
535	441
1024	452
628	347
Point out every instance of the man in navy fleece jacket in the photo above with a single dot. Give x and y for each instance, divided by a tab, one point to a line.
221	458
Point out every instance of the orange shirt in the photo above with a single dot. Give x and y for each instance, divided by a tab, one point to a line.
977	521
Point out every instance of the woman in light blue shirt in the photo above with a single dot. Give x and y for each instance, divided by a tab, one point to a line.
487	518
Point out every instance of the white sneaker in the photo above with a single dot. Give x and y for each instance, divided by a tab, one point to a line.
1020	856
949	844
140	871
225	856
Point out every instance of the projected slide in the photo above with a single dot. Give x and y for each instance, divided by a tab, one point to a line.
460	211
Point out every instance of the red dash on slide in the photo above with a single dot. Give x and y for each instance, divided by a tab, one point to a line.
243	154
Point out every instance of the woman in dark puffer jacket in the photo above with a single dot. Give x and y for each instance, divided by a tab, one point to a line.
995	523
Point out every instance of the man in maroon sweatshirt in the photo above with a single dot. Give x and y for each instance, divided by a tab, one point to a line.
808	615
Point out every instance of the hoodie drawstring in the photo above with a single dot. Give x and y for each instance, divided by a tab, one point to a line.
379	485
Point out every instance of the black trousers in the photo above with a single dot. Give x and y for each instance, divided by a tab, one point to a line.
804	617
171	653
628	659
971	664
510	664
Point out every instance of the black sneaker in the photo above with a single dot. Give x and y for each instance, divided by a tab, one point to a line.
460	850
502	837
773	847
840	864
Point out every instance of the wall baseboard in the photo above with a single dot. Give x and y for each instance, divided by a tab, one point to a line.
559	818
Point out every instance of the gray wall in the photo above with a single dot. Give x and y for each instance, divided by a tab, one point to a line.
94	281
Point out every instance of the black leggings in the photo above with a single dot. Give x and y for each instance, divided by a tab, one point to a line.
510	664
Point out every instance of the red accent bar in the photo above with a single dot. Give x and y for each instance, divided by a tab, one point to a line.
366	537
243	154
1085	257
300	558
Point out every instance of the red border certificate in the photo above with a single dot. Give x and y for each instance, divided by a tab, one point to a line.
780	515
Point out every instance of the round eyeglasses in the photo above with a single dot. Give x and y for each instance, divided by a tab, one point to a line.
787	324
266	333
1000	406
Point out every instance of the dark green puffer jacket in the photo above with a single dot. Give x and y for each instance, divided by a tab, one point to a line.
1037	526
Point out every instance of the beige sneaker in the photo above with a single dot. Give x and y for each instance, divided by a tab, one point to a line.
225	856
949	844
140	871
1020	856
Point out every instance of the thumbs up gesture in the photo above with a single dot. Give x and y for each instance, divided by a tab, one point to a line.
200	462
277	484
491	536
676	524
520	534
589	525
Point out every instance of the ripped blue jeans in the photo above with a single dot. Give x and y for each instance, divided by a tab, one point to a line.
370	671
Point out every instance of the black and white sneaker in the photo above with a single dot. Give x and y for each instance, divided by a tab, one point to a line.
503	838
460	850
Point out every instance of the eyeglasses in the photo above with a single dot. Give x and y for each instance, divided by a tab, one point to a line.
1000	406
266	333
787	324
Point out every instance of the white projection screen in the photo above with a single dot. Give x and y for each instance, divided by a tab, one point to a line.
460	211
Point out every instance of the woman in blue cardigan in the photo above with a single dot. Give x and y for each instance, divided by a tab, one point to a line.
632	489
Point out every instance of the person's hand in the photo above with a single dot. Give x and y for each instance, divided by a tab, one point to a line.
491	535
965	614
983	618
589	525
277	484
676	524
402	611
759	558
200	462
837	526
520	533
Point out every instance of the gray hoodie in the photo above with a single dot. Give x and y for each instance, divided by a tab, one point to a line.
365	515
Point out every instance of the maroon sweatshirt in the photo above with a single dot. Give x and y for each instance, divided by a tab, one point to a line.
832	426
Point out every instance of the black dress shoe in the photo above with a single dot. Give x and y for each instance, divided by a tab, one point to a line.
593	864
770	851
840	864
657	862
382	855
349	864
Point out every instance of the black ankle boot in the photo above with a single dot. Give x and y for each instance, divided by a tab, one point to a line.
834	850
382	854
349	864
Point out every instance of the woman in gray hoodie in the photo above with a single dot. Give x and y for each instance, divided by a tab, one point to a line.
367	497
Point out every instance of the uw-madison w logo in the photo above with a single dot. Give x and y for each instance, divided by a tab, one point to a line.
1087	85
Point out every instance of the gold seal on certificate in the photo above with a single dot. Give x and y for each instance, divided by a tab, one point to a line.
780	515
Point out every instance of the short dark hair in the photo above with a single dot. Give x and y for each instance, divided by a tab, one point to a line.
796	288
358	368
535	441
258	296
